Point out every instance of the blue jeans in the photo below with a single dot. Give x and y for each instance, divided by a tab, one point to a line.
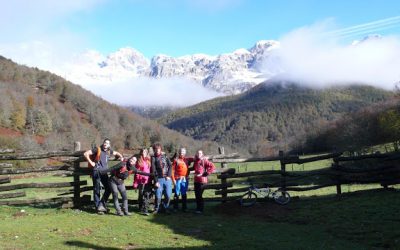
98	180
181	186
166	189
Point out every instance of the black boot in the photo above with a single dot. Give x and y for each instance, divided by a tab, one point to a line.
184	198
176	202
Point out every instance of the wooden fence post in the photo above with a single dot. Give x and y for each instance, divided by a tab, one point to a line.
224	165
335	165
77	187
224	189
283	170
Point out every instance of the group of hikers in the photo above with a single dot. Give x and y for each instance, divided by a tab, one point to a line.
153	174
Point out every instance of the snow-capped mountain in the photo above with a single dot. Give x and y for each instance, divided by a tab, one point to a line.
229	73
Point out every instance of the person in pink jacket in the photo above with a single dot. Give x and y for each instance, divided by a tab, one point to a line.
202	168
142	182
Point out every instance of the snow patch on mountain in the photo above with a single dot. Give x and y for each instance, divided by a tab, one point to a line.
229	73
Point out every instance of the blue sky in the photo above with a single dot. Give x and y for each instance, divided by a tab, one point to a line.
214	26
179	27
54	35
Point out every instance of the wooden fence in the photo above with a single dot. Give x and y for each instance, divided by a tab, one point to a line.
69	164
383	169
375	168
73	197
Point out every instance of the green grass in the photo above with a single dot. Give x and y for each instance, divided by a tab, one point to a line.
361	220
364	217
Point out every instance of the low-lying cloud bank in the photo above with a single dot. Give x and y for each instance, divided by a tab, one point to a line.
310	56
152	92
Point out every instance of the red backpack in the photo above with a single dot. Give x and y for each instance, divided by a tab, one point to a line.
95	157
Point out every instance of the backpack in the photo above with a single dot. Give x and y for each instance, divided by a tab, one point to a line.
95	158
123	173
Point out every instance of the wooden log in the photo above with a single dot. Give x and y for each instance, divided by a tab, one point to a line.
247	174
388	156
336	167
5	165
272	158
310	159
5	180
12	195
6	150
32	155
288	188
84	189
77	188
34	170
229	191
192	200
283	170
36	201
358	169
299	189
41	185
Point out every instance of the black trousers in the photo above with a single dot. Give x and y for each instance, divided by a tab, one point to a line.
198	192
144	193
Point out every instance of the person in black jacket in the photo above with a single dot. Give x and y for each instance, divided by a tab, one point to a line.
119	173
98	159
161	167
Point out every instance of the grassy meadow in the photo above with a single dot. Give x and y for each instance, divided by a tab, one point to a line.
363	217
360	220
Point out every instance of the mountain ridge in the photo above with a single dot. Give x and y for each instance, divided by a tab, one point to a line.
271	116
228	73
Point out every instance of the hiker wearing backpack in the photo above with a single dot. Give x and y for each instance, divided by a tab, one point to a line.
180	173
202	168
142	182
98	160
162	170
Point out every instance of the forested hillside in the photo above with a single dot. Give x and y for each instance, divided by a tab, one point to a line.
373	125
40	110
272	116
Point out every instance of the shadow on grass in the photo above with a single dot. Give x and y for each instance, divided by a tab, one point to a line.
313	222
81	244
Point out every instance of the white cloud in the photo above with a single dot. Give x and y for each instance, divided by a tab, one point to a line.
147	91
310	56
24	19
33	34
48	53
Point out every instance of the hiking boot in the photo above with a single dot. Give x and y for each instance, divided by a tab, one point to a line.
127	213
100	213
101	209
119	213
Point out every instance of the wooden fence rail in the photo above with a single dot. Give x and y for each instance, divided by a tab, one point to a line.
385	172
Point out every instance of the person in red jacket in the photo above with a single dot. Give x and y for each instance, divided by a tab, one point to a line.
202	168
180	178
